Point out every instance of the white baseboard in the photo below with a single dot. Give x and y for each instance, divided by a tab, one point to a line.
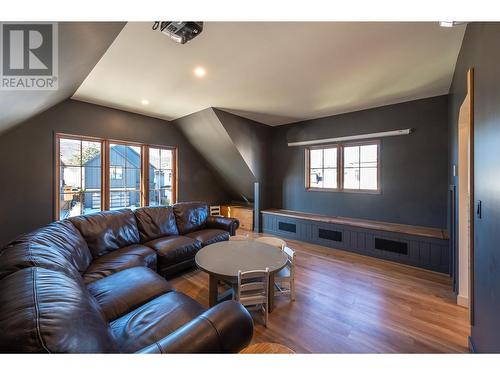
463	301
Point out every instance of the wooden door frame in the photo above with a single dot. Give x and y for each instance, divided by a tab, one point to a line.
468	102
470	90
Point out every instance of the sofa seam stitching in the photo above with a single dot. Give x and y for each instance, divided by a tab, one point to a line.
215	328
159	347
37	311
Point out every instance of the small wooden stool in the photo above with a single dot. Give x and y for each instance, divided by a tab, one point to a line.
267	348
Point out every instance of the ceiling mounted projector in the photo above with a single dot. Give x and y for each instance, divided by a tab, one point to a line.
179	31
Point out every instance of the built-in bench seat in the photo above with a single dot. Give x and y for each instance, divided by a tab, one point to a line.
414	245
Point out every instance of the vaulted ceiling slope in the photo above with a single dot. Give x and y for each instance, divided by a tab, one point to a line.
236	148
275	72
81	45
207	134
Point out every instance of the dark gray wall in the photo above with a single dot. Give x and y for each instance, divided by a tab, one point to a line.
81	45
253	140
414	167
480	51
27	160
238	150
208	136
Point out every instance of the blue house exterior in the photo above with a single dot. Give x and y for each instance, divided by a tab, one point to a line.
124	179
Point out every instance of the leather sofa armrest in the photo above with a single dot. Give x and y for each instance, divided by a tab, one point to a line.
225	328
229	224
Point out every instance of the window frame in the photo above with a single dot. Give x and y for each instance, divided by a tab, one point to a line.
145	166
115	169
340	167
105	169
308	168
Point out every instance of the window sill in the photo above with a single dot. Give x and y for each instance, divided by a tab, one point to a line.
327	190
323	189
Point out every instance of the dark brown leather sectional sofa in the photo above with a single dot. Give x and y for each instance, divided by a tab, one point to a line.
96	284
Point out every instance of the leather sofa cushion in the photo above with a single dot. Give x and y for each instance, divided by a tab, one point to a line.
155	222
153	321
229	224
174	249
225	328
57	246
46	311
209	236
119	260
126	290
190	216
107	231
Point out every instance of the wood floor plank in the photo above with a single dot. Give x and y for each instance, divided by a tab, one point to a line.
349	303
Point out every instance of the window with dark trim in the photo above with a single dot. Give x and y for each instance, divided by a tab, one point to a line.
94	174
343	167
124	192
323	168
161	176
79	167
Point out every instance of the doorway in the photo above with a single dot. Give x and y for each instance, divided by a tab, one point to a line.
466	196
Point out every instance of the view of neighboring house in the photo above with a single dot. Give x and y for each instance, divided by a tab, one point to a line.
124	181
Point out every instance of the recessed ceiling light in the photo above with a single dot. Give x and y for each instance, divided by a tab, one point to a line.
451	23
144	102
199	71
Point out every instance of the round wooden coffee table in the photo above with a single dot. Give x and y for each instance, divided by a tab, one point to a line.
223	260
267	348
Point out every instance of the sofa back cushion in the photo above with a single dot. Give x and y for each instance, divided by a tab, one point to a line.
190	216
46	311
57	246
108	230
155	222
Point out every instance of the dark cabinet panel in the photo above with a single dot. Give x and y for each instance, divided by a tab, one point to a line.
418	251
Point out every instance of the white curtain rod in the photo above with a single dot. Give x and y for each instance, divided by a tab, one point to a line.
391	133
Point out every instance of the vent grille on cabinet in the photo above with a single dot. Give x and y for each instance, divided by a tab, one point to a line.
392	246
332	235
287	227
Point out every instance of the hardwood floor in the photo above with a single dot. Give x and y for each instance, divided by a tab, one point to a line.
348	303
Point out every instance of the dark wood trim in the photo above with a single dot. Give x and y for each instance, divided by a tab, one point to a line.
324	190
105	149
105	197
379	166
57	178
57	164
472	205
362	191
307	171
363	223
452	235
174	171
145	175
340	167
174	176
307	168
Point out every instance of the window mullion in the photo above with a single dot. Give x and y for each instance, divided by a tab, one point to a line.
105	185
323	167
359	167
340	168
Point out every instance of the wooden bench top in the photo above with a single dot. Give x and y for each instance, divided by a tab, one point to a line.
362	223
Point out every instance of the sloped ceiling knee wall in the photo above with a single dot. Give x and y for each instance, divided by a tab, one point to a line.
236	149
81	45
